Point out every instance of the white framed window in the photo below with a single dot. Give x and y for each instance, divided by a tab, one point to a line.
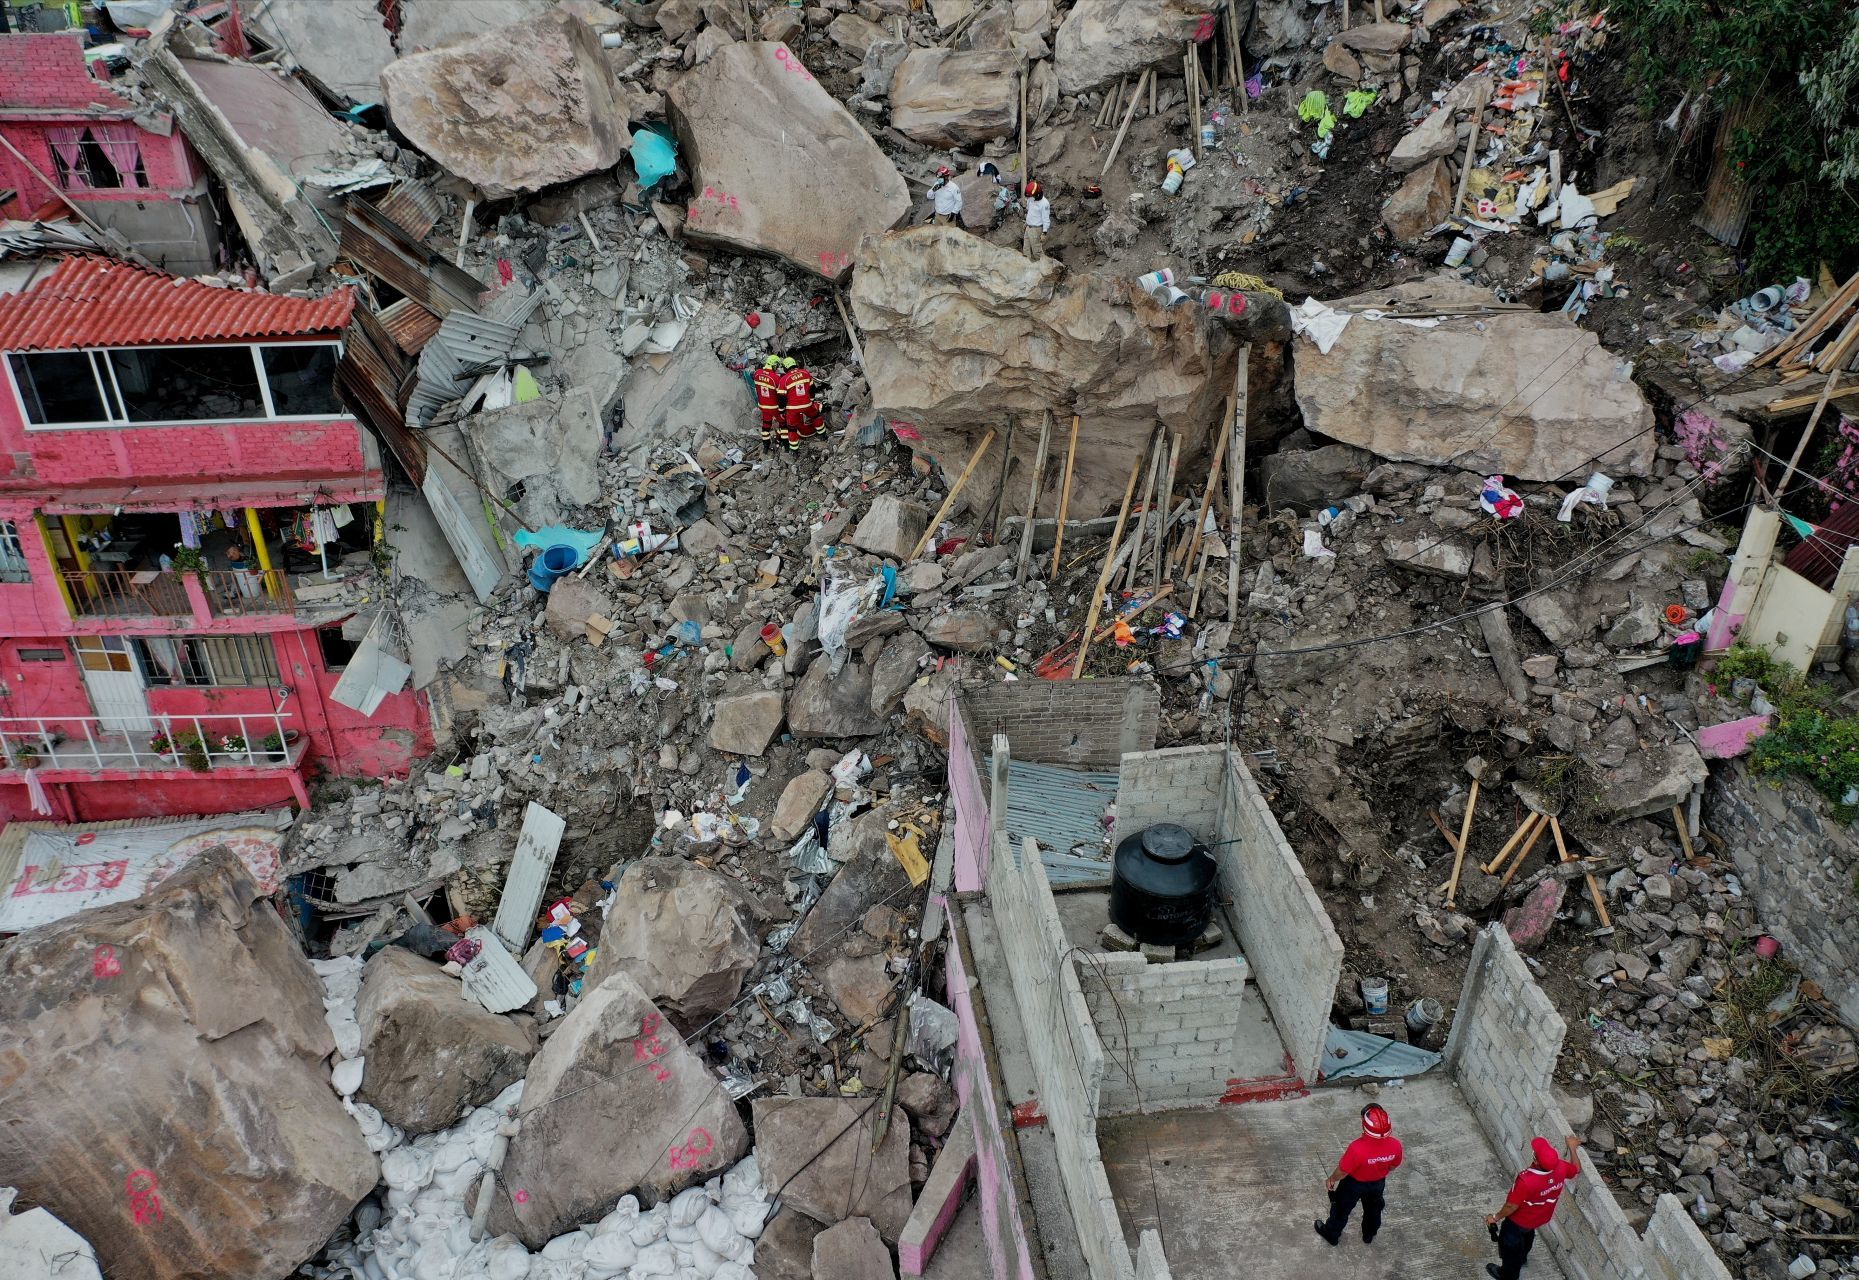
176	386
13	566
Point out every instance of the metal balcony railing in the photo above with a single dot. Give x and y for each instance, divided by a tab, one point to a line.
239	593
200	743
126	593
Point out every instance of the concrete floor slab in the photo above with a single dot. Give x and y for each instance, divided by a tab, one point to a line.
962	1253
1241	1185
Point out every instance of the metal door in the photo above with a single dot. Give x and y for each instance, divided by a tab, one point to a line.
116	693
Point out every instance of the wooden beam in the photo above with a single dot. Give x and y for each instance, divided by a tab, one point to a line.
1129	114
1167	512
1523	828
1065	500
1103	576
1807	433
1465	834
1032	501
1523	853
1594	885
949	502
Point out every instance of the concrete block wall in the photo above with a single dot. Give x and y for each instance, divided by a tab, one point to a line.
1179	784
1502	1052
1067	1056
1799	865
1169	1030
970	800
1085	724
1293	949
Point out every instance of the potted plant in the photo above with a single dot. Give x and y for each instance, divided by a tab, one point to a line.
233	745
188	560
193	751
277	746
25	755
162	745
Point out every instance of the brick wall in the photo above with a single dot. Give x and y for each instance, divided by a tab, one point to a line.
1506	1036
1086	724
153	455
1169	1030
1294	954
1067	1057
1799	867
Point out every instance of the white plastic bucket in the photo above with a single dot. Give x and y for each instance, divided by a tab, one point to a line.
1375	995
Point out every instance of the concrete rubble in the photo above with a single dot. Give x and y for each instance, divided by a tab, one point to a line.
738	700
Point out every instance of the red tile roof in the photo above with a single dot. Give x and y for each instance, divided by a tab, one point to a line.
96	302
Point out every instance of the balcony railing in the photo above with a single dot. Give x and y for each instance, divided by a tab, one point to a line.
241	593
125	593
200	743
227	593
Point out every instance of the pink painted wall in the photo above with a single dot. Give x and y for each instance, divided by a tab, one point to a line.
1724	624
1001	1226
349	744
44	83
971	807
109	801
220	452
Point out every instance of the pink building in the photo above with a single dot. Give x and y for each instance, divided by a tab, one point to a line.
69	133
187	519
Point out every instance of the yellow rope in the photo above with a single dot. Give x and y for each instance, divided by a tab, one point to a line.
1247	283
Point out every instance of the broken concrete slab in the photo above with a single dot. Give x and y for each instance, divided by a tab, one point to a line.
965	630
1433	138
549	446
871	875
572	600
1311	479
895	671
930	1100
949	98
515	109
686	935
1652	780
432	1052
339	45
672	1127
1456	395
819	1152
854	34
686	395
1444	558
1101	40
860	986
157	1043
824	705
851	1250
784	1251
746	723
35	1245
800	800
959	332
748	121
890	528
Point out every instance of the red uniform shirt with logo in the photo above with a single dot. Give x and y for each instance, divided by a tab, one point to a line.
1536	1192
1370	1159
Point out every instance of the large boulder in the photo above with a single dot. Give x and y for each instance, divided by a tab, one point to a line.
960	333
1103	39
1312	479
432	1051
824	705
745	723
871	875
1420	203
685	935
949	98
589	1137
852	1250
818	1151
1433	138
166	1093
516	109
1531	396
756	128
890	528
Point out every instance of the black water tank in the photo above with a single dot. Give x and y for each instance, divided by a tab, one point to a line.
1161	886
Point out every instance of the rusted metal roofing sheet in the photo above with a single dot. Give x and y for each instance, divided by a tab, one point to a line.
409	324
97	302
414	207
386	250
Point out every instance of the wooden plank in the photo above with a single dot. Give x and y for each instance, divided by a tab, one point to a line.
1129	114
1523	828
1524	853
1065	500
955	490
1465	835
1103	577
1032	500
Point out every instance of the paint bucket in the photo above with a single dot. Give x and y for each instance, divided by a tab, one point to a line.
1375	995
550	565
1172	183
1423	1015
772	637
1207	135
1461	249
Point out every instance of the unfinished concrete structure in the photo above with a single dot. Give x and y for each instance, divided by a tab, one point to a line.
1102	1093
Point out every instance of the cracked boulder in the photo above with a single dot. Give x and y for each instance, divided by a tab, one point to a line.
950	98
687	936
751	123
166	1092
585	1143
432	1051
516	109
819	1152
1101	40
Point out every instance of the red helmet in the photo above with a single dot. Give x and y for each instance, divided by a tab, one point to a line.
1375	1122
945	172
1032	190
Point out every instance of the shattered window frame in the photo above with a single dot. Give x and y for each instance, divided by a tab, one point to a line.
108	392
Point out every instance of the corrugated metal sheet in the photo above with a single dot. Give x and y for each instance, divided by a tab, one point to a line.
369	377
1061	809
409	324
1724	212
528	875
493	977
414	207
1818	558
381	247
95	302
463	347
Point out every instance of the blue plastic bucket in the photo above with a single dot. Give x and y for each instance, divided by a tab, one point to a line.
550	565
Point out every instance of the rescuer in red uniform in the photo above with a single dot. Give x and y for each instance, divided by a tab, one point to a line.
1360	1175
1531	1204
768	398
803	416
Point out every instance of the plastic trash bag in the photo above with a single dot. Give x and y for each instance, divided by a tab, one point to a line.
1595	491
655	157
843	601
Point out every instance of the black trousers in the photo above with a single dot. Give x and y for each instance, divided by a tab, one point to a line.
1343	1203
1513	1248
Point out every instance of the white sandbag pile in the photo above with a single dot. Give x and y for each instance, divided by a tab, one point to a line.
420	1229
